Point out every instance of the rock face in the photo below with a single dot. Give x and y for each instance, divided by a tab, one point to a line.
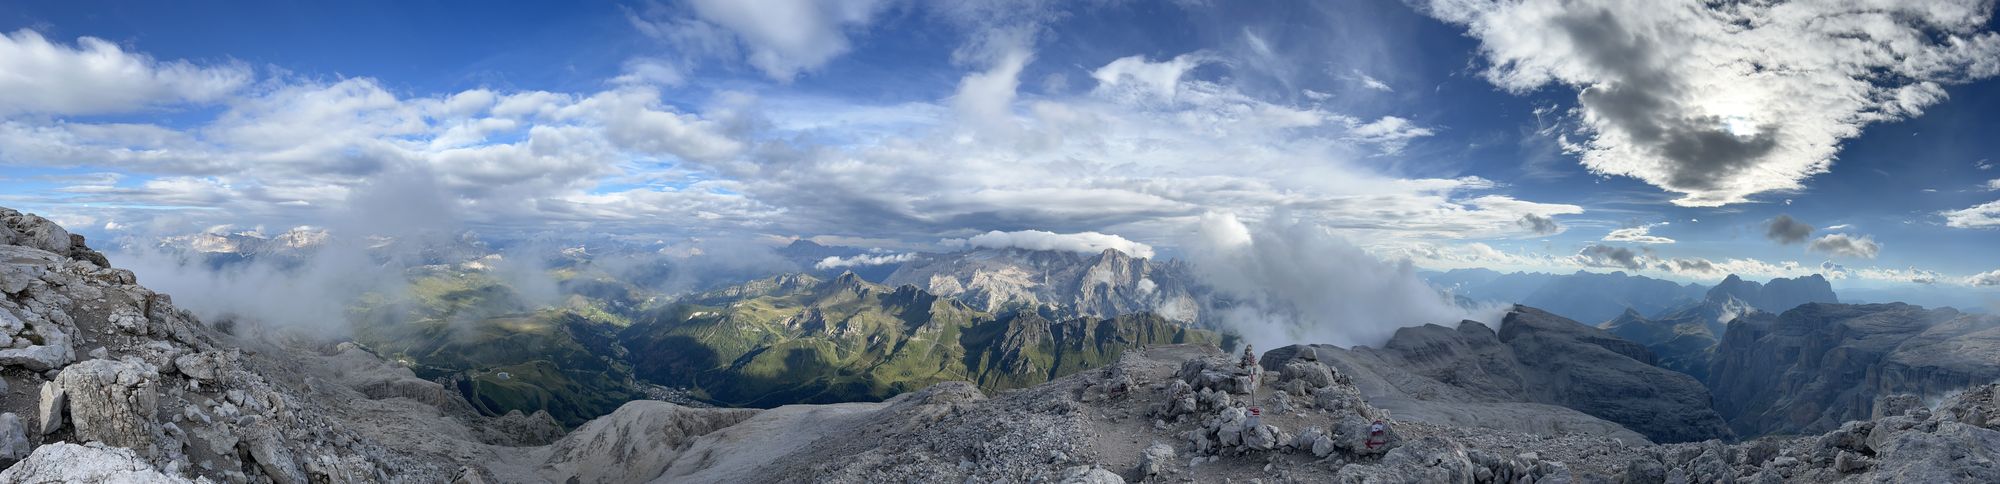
1818	365
1472	375
141	416
1777	296
1055	433
1684	338
1104	285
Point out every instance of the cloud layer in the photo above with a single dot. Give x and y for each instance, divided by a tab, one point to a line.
1298	283
1086	242
1148	148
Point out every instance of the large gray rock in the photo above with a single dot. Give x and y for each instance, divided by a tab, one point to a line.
52	410
66	462
113	401
30	230
13	439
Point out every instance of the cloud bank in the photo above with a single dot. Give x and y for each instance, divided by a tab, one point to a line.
863	260
1085	242
1299	283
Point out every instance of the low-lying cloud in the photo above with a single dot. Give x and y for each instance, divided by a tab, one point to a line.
1297	283
1085	242
863	260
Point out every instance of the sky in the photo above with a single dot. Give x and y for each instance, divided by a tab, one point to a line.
1675	139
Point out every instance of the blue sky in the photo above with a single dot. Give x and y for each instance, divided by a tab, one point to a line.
1536	135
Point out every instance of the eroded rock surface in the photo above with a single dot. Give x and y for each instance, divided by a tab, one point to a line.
1540	373
1816	366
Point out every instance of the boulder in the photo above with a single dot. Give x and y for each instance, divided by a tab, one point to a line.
199	366
13	439
267	447
1157	459
1090	475
112	401
32	230
67	462
54	403
53	351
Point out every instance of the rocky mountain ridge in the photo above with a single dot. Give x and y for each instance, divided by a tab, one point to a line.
1812	368
1103	285
108	382
1538	373
797	338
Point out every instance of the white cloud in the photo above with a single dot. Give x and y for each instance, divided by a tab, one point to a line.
1297	282
1910	275
1085	242
1719	102
986	99
1843	245
1371	83
96	76
1841	227
1641	234
784	38
1989	278
1993	184
863	260
650	70
1147	150
1390	132
1985	215
1136	76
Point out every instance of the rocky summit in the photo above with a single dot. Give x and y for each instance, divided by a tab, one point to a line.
106	381
1104	285
1539	373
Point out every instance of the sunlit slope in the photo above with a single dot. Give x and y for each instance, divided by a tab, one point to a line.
798	339
501	353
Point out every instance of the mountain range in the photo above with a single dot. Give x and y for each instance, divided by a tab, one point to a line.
107	381
798	339
1105	284
1583	296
